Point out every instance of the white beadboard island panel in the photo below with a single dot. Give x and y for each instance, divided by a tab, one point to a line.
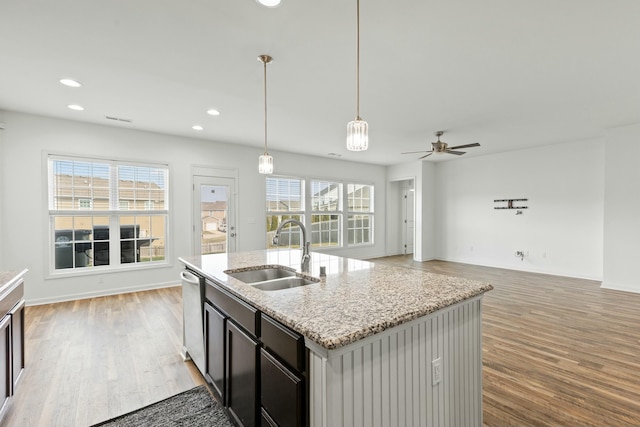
386	380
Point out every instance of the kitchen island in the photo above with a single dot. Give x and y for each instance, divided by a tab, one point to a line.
387	346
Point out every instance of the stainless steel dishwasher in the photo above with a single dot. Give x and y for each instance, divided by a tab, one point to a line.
192	319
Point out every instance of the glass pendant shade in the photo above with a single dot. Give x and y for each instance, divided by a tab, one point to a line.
265	164
357	135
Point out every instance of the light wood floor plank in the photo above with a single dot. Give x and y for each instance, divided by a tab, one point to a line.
90	360
557	351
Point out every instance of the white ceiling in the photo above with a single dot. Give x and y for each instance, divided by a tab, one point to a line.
508	74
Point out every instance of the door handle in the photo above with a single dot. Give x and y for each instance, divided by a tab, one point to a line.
233	234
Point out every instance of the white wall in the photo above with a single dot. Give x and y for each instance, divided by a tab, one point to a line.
622	209
561	232
3	182
23	219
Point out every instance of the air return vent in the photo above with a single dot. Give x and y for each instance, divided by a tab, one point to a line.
118	119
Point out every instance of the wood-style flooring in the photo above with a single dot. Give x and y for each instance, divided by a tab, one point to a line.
557	352
93	359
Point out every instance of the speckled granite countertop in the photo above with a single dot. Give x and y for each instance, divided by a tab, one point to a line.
357	299
9	278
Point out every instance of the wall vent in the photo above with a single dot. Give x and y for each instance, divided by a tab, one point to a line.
118	119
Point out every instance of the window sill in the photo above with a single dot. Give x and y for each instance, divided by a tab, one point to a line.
107	269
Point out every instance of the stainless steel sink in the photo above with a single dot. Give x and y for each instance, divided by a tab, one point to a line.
272	278
253	276
283	283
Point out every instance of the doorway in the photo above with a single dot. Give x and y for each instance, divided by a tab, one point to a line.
213	215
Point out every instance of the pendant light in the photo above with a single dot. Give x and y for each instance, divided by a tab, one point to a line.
265	161
358	129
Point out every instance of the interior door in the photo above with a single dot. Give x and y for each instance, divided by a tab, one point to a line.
408	219
214	215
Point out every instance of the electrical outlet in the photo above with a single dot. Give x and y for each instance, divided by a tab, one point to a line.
436	371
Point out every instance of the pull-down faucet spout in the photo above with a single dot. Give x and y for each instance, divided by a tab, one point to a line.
306	257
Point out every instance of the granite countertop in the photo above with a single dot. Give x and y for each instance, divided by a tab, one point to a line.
8	278
357	299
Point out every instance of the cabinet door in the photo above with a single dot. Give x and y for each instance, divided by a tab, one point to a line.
281	392
17	343
242	376
214	330
5	361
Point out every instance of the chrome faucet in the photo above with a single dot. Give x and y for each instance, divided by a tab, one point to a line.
306	257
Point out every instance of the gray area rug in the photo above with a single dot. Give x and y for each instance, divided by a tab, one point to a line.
193	408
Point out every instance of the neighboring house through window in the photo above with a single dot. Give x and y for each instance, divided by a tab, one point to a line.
106	214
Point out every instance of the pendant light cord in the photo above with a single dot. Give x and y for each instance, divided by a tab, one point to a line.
265	107
358	60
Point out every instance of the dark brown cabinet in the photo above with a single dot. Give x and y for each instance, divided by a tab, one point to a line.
6	381
281	392
215	324
11	338
242	376
256	365
17	342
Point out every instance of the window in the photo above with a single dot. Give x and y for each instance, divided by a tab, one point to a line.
285	200
319	204
326	216
105	213
360	214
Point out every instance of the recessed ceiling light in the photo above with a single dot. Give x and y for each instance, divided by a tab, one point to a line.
75	107
213	112
70	83
197	127
269	3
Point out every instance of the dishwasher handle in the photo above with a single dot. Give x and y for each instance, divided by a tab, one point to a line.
190	278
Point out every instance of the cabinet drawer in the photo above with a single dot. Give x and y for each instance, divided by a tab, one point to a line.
265	419
281	392
284	342
241	312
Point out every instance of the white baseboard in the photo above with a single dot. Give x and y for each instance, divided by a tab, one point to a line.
101	293
619	287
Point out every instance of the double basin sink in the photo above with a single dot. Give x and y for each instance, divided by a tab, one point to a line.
271	278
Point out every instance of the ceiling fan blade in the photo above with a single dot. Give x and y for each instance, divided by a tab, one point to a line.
414	152
426	155
475	144
457	153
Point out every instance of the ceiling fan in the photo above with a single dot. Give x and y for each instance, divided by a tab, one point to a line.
442	147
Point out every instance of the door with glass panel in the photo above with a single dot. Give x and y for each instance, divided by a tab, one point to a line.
214	214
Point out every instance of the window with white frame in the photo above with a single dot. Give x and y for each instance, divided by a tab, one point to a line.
326	213
106	213
360	214
320	205
285	200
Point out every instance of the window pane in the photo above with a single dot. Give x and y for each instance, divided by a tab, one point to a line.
360	198
325	230
142	238
78	185
76	241
142	187
360	229
284	195
290	236
325	196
